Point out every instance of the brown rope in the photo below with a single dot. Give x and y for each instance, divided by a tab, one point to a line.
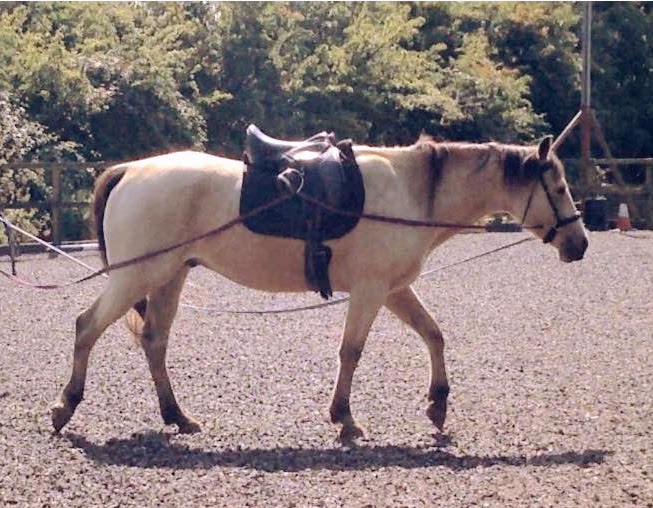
398	220
224	227
149	255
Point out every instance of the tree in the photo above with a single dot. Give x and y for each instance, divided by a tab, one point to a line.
109	79
21	140
622	77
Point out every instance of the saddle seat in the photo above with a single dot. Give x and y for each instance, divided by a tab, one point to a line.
265	150
318	167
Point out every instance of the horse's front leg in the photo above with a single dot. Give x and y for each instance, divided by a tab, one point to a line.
364	305
406	305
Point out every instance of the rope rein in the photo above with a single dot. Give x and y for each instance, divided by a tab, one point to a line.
228	225
138	259
398	220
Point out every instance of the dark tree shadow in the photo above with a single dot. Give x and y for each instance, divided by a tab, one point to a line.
156	450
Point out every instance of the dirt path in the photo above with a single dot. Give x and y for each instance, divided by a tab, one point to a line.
551	370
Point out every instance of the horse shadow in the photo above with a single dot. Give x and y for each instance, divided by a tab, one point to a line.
153	450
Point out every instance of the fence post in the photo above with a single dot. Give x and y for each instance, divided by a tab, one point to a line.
55	205
648	183
11	240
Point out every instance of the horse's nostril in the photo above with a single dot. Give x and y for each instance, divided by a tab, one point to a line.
579	251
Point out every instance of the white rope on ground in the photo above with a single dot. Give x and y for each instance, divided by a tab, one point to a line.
47	245
344	299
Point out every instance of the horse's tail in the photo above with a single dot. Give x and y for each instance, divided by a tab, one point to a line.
103	187
135	317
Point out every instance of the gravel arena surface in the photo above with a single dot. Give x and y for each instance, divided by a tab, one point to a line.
551	404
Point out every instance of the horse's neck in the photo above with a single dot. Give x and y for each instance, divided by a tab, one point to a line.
470	186
464	186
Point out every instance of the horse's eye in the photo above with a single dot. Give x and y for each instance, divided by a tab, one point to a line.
561	190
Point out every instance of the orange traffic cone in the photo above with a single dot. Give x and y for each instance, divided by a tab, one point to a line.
623	219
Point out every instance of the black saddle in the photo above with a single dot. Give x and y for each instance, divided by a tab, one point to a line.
317	167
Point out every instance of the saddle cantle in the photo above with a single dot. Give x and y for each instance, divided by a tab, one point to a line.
319	167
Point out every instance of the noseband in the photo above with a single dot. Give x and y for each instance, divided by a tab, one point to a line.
560	221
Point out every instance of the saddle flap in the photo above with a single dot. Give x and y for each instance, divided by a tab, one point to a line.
330	174
332	178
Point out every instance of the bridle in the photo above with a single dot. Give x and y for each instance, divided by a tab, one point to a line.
560	221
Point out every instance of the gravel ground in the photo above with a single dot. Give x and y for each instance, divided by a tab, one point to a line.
550	365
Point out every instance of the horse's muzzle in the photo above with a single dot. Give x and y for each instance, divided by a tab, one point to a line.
573	249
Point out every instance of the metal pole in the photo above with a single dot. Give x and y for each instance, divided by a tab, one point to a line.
586	118
55	206
586	54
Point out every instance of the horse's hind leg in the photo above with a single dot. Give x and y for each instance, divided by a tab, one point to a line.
117	298
161	309
406	305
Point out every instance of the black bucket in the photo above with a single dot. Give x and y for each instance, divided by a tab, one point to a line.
595	214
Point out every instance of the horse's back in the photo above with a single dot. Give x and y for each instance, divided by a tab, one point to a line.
179	163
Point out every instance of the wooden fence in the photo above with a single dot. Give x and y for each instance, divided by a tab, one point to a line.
639	197
55	204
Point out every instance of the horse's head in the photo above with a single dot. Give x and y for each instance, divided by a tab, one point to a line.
538	194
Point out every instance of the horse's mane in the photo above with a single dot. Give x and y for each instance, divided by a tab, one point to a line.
519	161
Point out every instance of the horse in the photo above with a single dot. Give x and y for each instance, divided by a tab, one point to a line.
140	206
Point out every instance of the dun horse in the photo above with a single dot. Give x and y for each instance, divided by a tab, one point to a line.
140	206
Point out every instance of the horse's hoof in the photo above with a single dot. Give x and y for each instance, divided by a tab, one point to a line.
351	432
441	440
189	426
437	413
61	415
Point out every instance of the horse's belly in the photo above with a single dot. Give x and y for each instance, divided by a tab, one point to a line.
260	262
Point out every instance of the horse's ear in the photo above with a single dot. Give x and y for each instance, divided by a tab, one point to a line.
544	147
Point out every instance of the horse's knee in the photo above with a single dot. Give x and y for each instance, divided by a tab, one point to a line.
79	323
152	336
434	337
148	336
82	322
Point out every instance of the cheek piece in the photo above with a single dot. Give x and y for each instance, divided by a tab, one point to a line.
560	221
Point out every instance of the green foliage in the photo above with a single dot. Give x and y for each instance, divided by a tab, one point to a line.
21	140
115	81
